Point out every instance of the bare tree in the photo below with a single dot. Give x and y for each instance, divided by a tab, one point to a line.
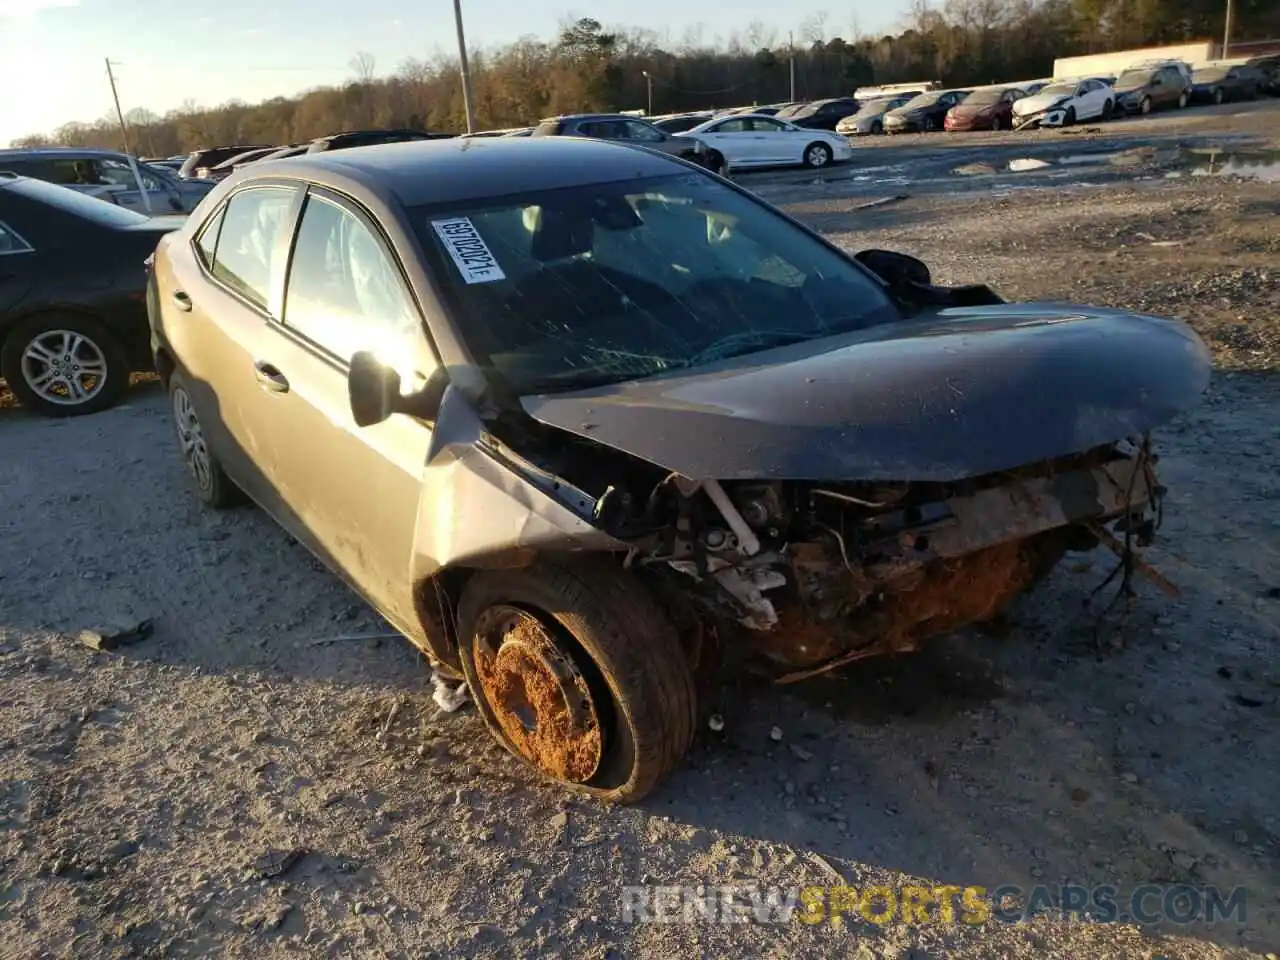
362	65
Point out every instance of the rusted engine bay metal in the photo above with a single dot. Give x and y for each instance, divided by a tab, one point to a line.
818	575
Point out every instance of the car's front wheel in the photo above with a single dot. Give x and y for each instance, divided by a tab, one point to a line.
714	161
1145	105
877	128
817	155
1218	97
64	366
1069	118
213	486
576	670
1107	109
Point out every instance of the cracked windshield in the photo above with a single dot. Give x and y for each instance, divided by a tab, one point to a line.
609	282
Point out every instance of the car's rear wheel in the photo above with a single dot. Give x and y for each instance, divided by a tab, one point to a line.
817	155
576	671
213	486
1183	99
64	365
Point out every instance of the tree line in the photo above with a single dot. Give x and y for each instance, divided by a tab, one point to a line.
590	67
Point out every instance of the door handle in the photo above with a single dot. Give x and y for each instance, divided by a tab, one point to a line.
270	377
182	301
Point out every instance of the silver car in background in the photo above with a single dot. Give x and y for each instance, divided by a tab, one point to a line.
109	175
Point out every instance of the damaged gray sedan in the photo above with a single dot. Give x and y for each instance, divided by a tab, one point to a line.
575	416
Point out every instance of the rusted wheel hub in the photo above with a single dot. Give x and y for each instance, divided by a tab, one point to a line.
537	694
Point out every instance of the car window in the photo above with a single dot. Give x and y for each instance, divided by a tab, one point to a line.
207	240
247	252
765	125
11	242
74	172
25	168
736	125
604	129
601	283
635	130
345	292
119	172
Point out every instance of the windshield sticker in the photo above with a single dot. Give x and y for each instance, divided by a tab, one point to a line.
471	255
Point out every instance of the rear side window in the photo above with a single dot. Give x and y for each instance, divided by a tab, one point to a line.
246	253
11	242
207	241
345	292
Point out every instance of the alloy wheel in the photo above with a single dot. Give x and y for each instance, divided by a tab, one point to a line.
195	452
64	368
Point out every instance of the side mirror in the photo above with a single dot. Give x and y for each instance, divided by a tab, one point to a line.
895	268
373	390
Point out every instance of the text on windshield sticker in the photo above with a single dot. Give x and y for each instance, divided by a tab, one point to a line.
471	255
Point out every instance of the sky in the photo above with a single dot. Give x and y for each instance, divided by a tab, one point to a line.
166	52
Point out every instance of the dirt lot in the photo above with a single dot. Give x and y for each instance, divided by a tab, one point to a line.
143	791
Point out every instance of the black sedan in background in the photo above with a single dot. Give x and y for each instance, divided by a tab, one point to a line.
924	113
1215	83
73	317
823	114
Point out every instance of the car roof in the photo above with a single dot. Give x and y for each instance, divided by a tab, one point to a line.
598	116
54	152
441	171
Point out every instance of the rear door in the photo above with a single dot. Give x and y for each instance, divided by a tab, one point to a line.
222	290
18	263
350	493
776	142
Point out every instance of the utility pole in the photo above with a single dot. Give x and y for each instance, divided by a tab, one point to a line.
466	72
1226	32
648	79
791	60
124	134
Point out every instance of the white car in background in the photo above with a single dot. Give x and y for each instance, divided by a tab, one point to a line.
751	140
1063	102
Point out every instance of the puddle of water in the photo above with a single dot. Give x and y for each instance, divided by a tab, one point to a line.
1086	158
1261	165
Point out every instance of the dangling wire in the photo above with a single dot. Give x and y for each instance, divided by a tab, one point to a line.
1144	465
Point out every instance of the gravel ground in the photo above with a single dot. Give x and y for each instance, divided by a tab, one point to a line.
145	792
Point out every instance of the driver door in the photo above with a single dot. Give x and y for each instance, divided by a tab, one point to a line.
350	493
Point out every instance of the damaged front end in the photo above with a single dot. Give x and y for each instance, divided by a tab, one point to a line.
819	575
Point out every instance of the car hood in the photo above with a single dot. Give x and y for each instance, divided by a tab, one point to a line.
953	393
902	113
1130	88
974	110
1038	103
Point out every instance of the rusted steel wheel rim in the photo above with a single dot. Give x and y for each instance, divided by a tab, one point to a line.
537	694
